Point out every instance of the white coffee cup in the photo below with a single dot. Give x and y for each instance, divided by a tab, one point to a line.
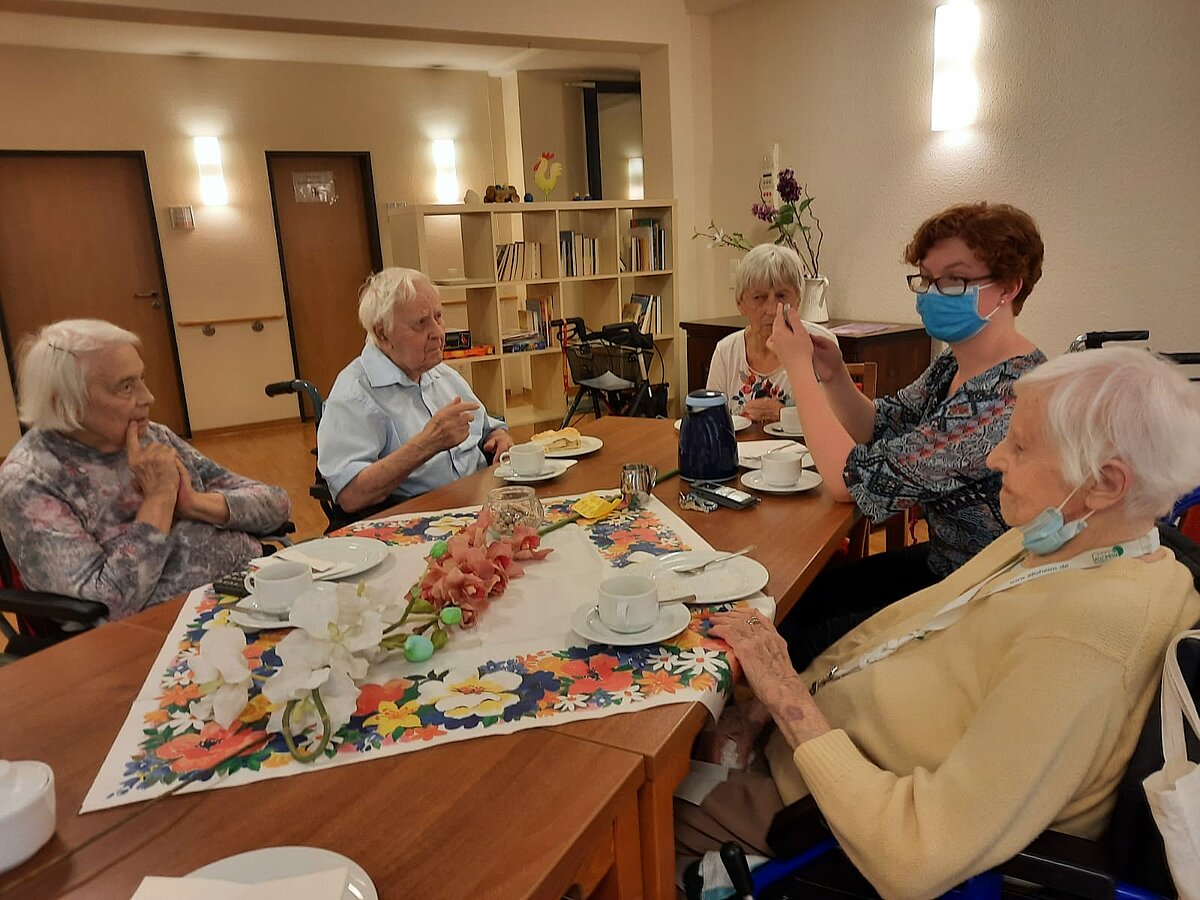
525	459
275	587
782	467
789	420
27	810
628	603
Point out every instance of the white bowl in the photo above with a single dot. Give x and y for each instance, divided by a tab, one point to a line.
26	810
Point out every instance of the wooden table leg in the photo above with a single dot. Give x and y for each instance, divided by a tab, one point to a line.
657	815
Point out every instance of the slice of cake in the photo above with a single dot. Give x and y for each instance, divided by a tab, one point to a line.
565	439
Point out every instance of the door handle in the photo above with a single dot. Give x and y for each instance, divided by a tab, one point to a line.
144	295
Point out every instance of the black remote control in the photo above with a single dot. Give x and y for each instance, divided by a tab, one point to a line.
233	584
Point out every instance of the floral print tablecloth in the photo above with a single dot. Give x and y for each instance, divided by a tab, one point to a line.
457	695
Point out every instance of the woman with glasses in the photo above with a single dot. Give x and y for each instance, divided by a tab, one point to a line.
744	368
927	445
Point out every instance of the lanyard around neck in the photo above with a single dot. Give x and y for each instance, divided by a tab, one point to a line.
953	611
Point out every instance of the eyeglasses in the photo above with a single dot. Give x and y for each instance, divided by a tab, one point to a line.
950	285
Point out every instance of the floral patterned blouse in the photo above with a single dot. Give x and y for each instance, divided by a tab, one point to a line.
731	374
67	515
930	449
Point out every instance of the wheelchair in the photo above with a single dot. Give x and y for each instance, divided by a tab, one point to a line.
611	370
319	491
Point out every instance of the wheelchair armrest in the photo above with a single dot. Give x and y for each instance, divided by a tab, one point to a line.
796	828
1063	862
51	606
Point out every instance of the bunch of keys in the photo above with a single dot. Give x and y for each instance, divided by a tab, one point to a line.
689	500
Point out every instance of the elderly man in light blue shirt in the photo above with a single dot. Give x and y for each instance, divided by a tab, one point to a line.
399	422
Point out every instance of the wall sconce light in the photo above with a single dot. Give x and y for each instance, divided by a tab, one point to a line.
955	88
212	177
446	183
637	179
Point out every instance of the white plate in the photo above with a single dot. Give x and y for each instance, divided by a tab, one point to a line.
587	444
730	580
672	619
754	479
777	429
554	468
359	553
740	423
257	866
750	453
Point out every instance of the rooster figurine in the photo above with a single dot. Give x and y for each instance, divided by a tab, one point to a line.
546	172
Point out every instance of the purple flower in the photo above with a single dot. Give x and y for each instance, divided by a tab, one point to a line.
788	189
764	211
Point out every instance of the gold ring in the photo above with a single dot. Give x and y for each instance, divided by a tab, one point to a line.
753	620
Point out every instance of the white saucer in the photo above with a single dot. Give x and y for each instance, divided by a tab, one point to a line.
754	479
672	619
554	468
248	621
269	863
729	580
740	423
587	444
777	429
248	605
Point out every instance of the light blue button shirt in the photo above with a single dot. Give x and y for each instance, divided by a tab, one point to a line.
374	408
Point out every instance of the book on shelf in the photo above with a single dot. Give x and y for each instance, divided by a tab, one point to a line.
631	312
518	261
645	311
578	254
647	245
535	318
466	352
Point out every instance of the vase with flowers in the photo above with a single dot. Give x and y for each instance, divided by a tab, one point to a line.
796	226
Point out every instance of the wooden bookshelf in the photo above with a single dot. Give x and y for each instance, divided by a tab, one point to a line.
456	246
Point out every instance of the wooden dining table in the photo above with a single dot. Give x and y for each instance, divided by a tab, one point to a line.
795	534
583	808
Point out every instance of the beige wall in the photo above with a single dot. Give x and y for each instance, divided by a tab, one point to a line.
229	266
552	122
620	126
1089	119
230	262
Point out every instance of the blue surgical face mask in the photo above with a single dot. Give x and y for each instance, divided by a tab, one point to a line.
952	318
1048	532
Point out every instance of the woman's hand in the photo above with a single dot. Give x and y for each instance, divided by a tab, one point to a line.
153	466
793	347
763	655
210	507
735	735
762	410
827	359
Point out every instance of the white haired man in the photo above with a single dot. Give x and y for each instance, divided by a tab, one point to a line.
398	422
98	502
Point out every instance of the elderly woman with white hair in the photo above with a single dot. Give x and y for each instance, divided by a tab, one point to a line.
398	421
944	733
743	367
98	502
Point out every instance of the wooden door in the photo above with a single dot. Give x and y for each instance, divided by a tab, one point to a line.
326	250
78	240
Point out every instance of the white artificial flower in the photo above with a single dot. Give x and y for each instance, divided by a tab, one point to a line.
221	670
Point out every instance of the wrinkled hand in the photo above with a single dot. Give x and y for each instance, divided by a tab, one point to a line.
185	503
497	442
792	347
153	466
450	425
827	358
762	410
763	655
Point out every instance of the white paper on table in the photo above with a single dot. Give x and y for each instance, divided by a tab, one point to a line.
328	885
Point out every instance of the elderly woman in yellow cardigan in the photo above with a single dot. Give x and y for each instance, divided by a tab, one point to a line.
950	729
